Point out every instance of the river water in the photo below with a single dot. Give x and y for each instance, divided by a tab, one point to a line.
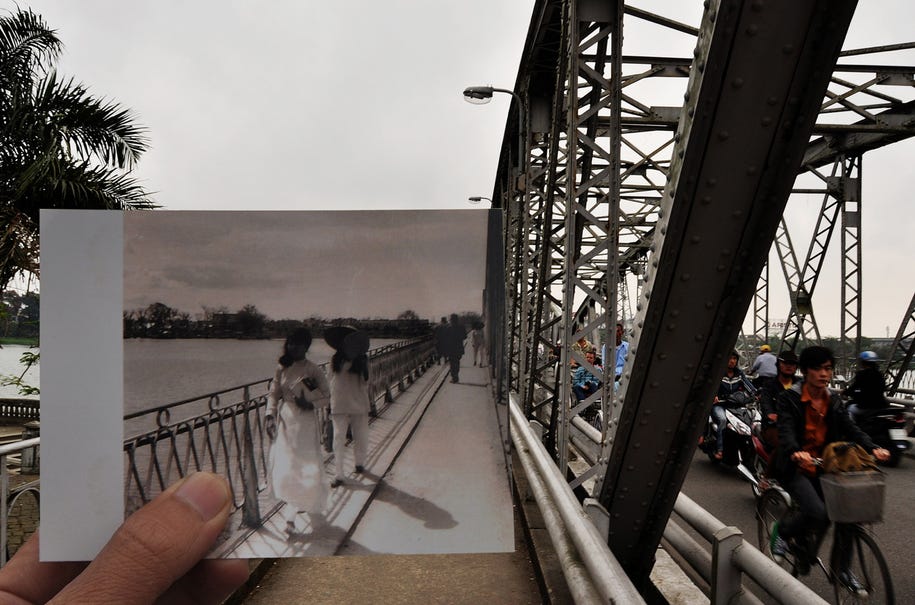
10	366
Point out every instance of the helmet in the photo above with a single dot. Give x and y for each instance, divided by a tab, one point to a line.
765	349
867	356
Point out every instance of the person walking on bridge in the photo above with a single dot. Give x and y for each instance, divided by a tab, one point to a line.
453	345
350	400
299	389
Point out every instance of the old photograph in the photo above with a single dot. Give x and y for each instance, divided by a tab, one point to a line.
330	365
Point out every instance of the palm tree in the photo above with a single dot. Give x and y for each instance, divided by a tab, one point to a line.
60	147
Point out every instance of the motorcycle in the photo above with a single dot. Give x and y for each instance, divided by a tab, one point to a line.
886	428
741	413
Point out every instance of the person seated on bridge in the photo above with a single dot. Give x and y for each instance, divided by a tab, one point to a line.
866	390
157	555
769	391
733	381
810	416
584	383
764	366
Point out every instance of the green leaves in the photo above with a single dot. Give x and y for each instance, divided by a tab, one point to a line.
60	147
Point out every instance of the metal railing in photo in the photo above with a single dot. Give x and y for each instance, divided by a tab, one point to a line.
12	496
224	432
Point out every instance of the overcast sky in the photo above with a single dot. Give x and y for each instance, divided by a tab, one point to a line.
344	105
294	265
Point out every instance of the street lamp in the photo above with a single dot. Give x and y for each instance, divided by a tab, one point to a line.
480	95
476	199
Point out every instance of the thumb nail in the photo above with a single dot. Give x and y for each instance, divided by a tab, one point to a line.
205	492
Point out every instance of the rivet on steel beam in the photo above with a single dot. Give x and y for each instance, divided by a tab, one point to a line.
686	96
709	304
671	327
756	5
630	468
675	313
737	213
638	307
695	239
737	83
772	101
679	153
751	170
706	4
690	112
788	49
724	135
699	337
637	445
711	182
677	137
720	268
752	30
655	384
685	277
766	121
662	356
663	230
706	200
701	66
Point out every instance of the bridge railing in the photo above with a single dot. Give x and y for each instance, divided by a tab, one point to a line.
11	497
224	432
19	410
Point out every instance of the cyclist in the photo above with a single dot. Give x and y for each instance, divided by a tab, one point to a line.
810	416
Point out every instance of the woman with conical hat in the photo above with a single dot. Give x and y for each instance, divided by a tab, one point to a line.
296	471
350	400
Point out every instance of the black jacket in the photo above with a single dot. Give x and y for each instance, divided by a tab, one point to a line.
791	421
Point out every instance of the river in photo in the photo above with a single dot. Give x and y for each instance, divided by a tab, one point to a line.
159	372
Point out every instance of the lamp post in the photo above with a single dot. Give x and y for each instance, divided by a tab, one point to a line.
480	95
476	199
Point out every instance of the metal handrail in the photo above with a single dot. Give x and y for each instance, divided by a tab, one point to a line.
743	557
604	572
9	499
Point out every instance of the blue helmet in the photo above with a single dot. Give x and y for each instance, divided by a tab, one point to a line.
867	356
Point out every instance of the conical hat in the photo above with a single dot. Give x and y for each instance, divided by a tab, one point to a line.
334	335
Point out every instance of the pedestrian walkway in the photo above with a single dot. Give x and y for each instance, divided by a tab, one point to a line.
446	491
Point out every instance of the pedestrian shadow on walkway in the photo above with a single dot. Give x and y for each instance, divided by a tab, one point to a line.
432	515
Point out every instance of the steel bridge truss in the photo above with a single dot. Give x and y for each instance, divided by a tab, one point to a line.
606	158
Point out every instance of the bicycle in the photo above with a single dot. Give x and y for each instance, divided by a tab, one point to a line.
867	561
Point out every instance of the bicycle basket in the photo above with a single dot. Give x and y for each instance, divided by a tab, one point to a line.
854	497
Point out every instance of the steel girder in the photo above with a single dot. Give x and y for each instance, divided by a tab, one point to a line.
740	145
902	351
564	238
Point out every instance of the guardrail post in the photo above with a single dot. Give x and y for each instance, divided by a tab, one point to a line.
251	514
726	577
31	456
598	515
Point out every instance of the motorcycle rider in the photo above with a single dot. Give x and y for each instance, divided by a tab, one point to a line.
786	377
867	387
733	381
810	416
764	366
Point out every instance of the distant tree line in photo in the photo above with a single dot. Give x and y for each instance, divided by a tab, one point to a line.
159	320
